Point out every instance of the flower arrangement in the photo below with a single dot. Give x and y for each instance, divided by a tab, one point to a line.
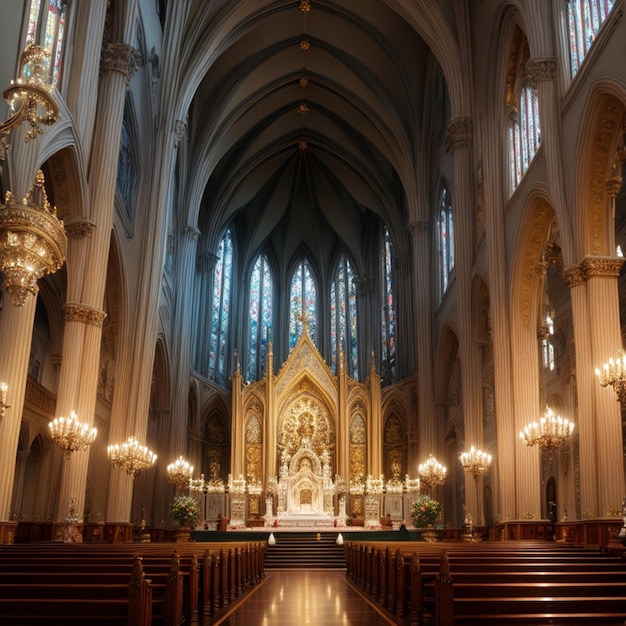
424	511
185	511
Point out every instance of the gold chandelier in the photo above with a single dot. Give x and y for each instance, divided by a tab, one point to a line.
549	432
180	472
613	373
475	462
70	434
131	456
29	96
32	241
432	473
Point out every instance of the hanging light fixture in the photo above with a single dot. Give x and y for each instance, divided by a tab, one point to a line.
613	373
432	473
29	96
70	434
131	456
551	431
475	462
32	241
180	472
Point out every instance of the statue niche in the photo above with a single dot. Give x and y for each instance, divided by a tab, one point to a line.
305	488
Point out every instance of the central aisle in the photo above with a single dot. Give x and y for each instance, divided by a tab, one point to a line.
315	597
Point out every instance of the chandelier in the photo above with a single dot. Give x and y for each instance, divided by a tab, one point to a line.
70	434
32	241
180	472
432	473
475	461
613	373
549	432
131	456
29	96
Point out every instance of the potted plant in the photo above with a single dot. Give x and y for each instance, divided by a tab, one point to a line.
186	515
425	511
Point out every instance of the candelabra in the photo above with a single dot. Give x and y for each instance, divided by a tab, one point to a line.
549	432
237	485
475	462
3	400
70	434
613	373
131	456
432	472
375	486
180	472
29	95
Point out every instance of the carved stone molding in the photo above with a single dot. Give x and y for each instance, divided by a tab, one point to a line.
573	276
120	57
606	267
459	133
79	228
180	130
191	232
84	314
541	69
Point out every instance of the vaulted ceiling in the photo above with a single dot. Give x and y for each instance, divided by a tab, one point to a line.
305	121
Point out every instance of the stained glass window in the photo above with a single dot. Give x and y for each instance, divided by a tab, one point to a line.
46	28
584	19
343	317
302	302
524	135
445	231
388	326
220	310
260	317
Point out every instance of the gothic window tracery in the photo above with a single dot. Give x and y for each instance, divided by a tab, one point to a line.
46	28
343	317
302	302
445	232
260	313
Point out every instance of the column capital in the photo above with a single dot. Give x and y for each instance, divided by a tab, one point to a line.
573	276
418	226
180	130
83	314
79	228
191	231
605	267
459	133
120	57
541	69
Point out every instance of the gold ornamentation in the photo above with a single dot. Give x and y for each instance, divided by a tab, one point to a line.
70	434
79	228
84	314
574	276
605	267
32	241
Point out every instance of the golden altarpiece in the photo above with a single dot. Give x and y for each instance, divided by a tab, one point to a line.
308	446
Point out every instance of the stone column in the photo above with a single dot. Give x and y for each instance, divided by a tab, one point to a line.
586	388
459	141
16	333
602	274
422	319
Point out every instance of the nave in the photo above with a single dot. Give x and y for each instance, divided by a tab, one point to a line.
316	597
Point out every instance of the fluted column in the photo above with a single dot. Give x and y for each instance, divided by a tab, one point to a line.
205	266
528	404
375	430
602	274
16	332
81	345
585	386
428	439
180	378
459	141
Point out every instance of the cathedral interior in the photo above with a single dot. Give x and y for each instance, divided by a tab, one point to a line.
330	253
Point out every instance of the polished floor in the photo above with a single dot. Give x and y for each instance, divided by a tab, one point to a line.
302	597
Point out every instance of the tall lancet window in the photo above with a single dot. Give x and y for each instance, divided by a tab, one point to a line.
343	317
388	325
260	317
584	19
524	132
302	302
46	28
445	235
222	287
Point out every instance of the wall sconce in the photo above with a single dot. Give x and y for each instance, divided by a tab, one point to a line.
29	95
3	400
